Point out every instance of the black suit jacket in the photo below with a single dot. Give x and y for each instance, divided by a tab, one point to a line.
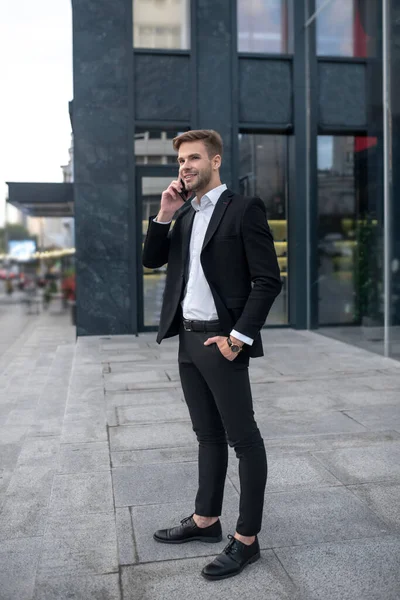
238	259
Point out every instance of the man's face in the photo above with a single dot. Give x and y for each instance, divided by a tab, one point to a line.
195	166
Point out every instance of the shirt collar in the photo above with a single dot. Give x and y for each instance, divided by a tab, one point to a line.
212	196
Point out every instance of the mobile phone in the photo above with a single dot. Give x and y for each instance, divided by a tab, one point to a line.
184	194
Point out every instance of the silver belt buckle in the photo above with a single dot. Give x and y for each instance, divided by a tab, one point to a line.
186	326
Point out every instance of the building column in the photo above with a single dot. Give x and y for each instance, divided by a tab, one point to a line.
103	159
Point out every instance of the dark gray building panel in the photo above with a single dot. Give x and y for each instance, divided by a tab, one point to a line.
162	85
101	16
103	303
265	91
102	152
215	52
100	70
342	95
107	207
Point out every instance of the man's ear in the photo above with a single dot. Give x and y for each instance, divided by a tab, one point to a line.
217	161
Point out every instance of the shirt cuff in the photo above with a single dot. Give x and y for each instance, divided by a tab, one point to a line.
242	338
161	222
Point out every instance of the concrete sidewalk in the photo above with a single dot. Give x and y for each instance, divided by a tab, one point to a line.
97	452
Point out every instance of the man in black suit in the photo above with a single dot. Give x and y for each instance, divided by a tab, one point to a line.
222	280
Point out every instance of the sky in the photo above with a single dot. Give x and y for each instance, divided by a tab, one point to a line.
35	88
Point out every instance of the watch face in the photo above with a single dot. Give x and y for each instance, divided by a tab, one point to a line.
235	348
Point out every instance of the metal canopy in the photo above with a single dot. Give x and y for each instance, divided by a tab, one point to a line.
42	199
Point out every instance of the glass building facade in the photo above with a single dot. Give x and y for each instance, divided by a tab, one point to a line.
304	95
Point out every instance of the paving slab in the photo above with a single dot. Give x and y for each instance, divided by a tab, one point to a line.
384	381
378	417
315	516
126	357
307	423
360	399
9	454
153	413
126	381
139	397
363	465
84	458
153	483
21	416
318	442
127	552
50	426
181	579
158	455
96	587
273	404
84	430
119	345
301	471
307	385
34	482
79	544
22	517
81	492
355	570
18	559
41	452
383	499
156	435
5	478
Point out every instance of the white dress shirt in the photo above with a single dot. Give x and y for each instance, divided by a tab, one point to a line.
198	303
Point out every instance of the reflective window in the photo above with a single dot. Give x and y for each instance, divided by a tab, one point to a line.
153	279
348	28
154	147
161	24
263	26
264	173
350	229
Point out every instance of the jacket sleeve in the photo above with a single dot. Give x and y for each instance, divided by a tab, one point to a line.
156	245
263	266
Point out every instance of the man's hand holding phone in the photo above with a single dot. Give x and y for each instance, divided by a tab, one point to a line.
172	199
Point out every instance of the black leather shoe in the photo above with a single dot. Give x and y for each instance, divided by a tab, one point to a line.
232	559
188	531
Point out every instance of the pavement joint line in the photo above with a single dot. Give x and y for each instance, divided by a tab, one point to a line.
344	412
135	547
284	568
366	505
335	541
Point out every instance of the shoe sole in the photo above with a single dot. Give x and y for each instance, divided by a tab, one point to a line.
208	540
251	560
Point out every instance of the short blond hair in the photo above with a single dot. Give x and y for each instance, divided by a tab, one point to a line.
211	139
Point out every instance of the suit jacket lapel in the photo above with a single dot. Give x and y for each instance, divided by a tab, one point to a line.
217	215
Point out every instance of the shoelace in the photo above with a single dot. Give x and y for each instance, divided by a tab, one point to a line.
231	548
186	520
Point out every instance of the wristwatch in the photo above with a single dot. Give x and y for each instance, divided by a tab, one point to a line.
234	347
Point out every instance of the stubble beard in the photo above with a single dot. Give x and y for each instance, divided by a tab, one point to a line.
203	179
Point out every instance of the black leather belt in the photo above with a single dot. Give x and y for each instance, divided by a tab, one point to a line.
202	326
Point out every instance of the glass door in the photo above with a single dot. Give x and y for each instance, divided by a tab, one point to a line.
150	183
263	171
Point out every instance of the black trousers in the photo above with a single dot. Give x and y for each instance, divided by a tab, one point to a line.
218	395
